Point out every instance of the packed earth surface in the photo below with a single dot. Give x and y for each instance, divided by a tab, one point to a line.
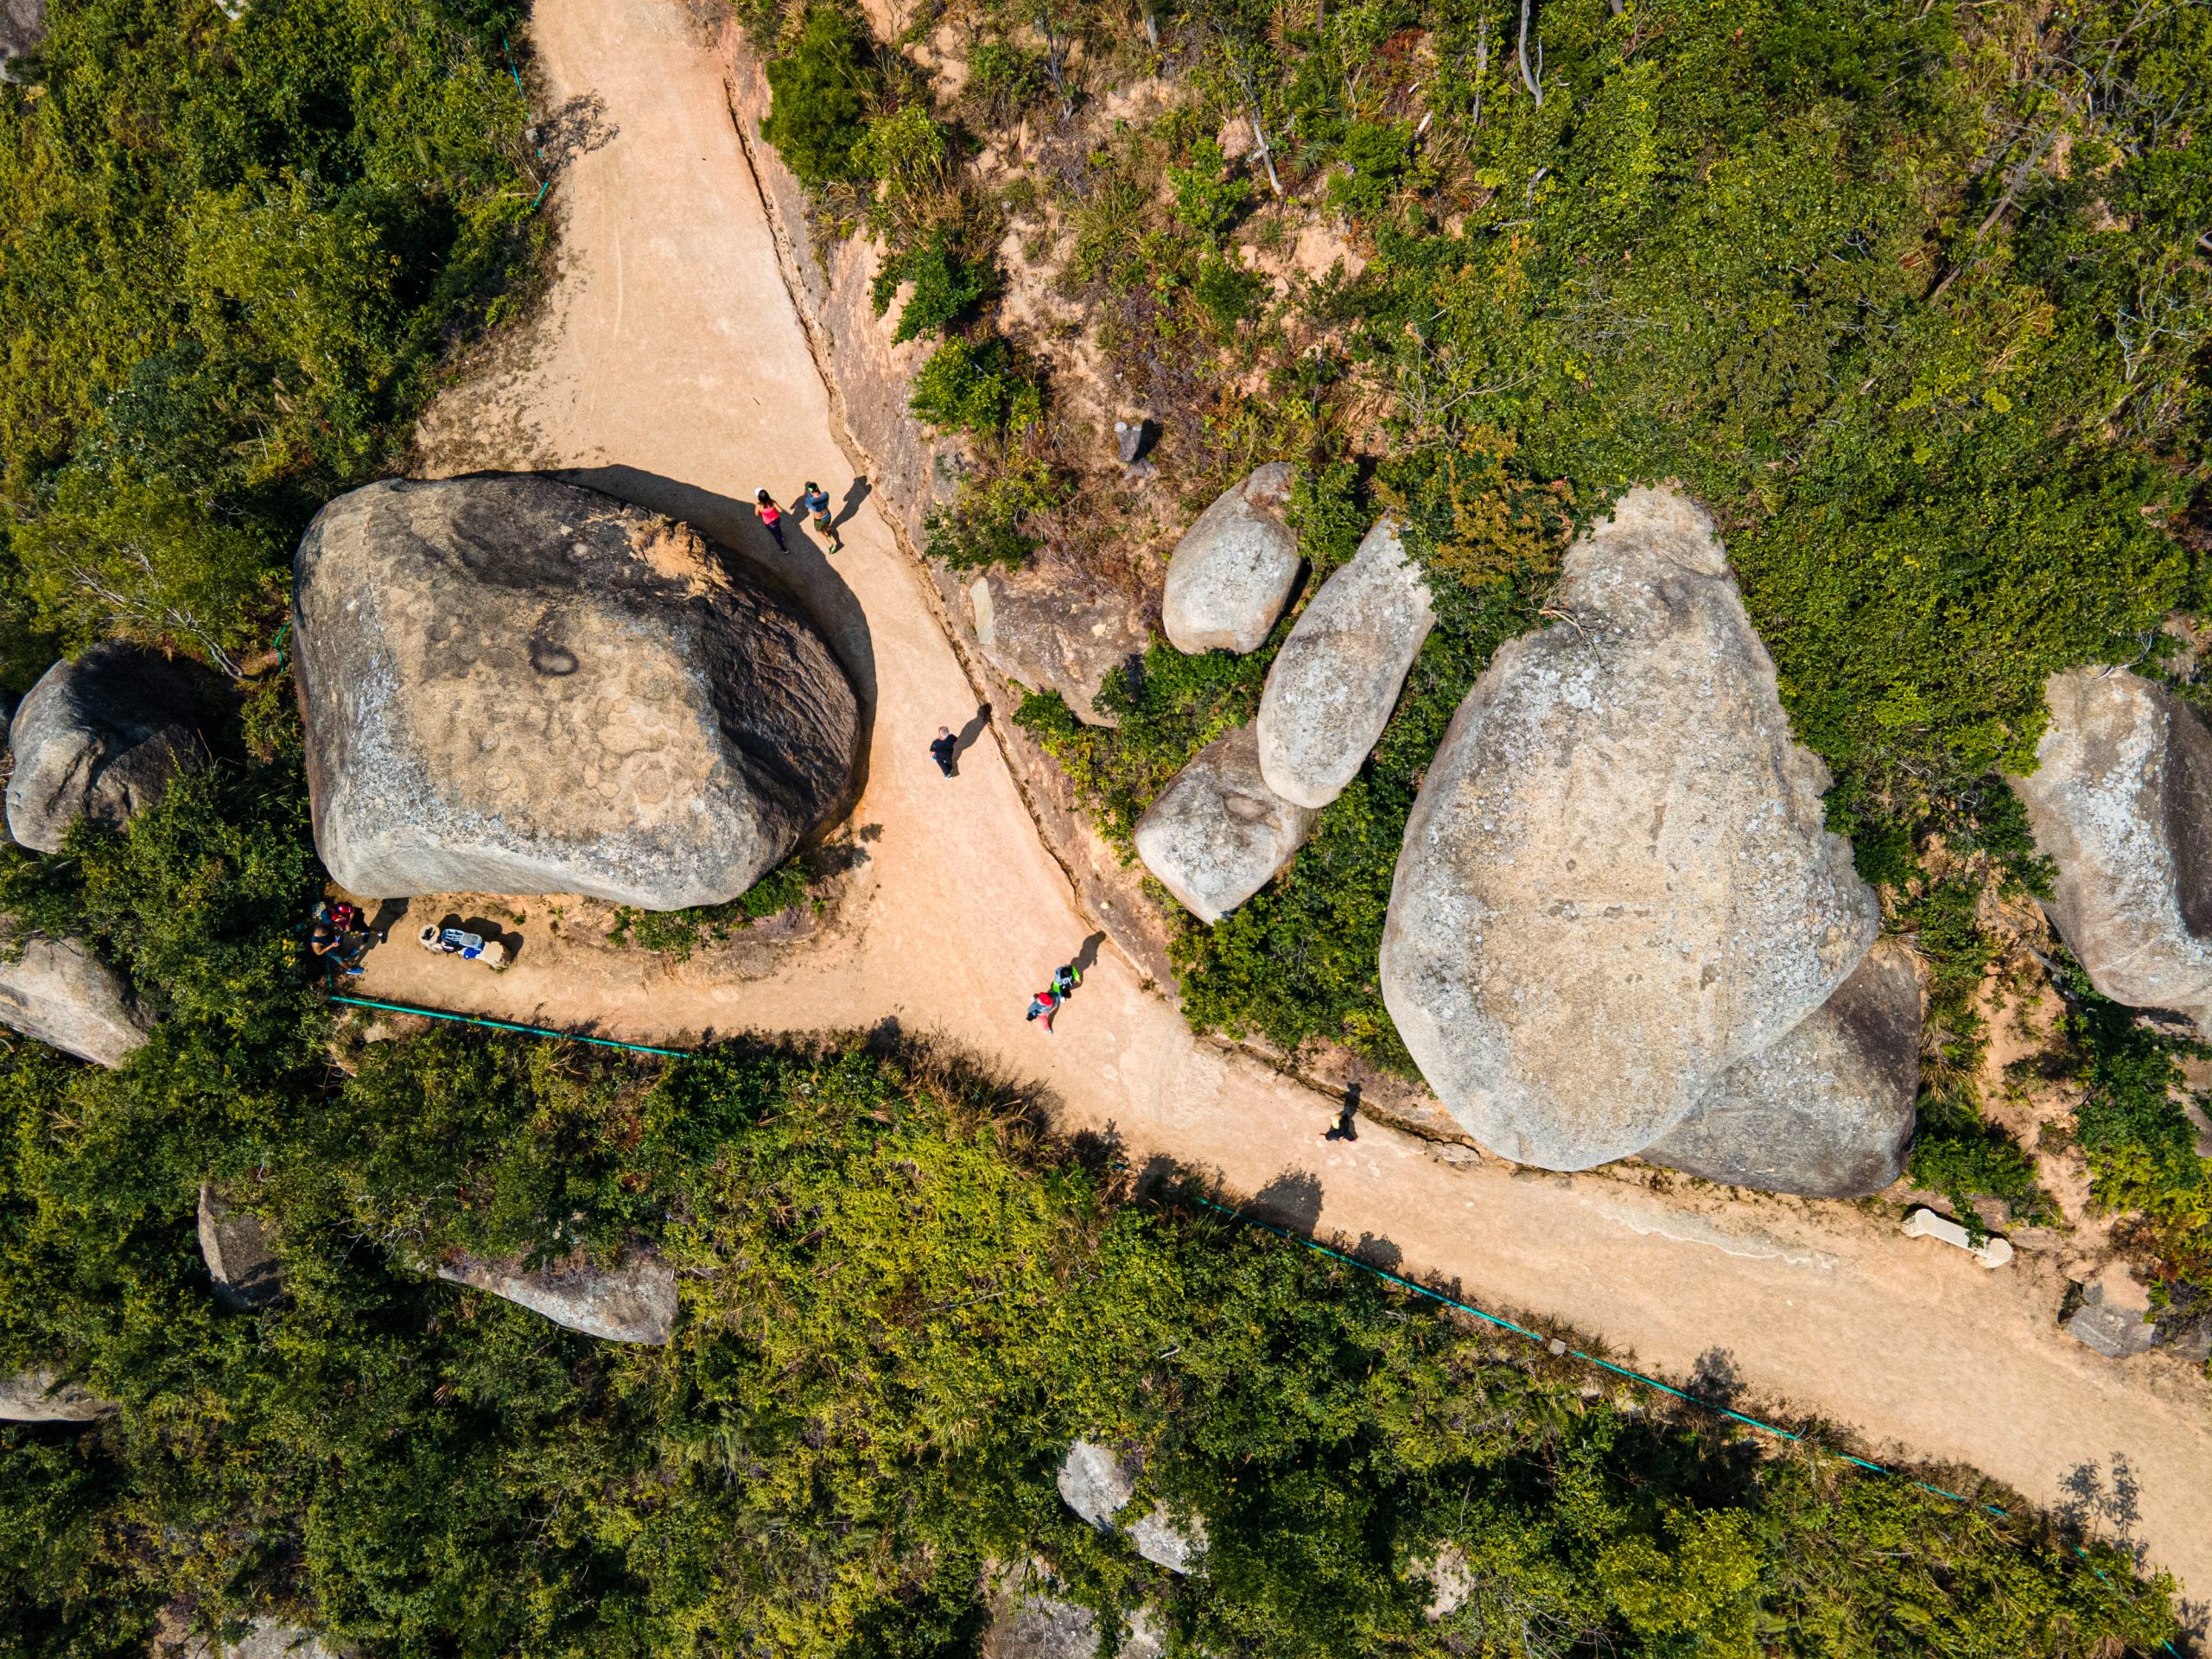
670	370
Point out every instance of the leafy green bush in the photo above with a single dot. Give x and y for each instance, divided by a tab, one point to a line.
978	390
1230	292
1207	198
1378	156
990	522
677	933
823	88
947	289
1002	79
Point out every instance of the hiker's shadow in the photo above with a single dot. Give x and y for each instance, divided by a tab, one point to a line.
1087	958
799	569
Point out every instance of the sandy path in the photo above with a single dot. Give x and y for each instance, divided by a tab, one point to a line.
672	365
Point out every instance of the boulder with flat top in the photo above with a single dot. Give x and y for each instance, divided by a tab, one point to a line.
514	685
1046	628
59	993
1616	882
1333	685
1231	574
1827	1110
1217	834
2120	801
98	737
631	1301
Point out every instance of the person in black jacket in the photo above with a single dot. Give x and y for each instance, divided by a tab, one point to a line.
943	750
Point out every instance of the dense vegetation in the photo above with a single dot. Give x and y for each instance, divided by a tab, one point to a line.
230	254
901	1302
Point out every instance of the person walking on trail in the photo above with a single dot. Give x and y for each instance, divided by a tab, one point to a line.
1065	978
816	500
1346	1127
1044	1006
943	750
770	515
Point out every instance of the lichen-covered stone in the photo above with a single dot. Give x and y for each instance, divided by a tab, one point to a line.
1231	574
1615	883
514	685
1827	1110
57	991
236	1247
100	738
1046	628
2120	801
634	1302
1217	834
1332	686
34	1396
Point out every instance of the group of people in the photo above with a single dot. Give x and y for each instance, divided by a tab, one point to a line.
1047	1002
337	937
814	500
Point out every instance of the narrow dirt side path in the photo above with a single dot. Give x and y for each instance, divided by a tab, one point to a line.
672	369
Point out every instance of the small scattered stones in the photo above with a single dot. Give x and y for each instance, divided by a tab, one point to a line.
1233	571
633	1302
100	738
240	1260
1331	688
1217	834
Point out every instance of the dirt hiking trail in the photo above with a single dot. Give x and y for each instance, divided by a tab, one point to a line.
669	368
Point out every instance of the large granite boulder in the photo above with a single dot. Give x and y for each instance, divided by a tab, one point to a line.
514	685
1615	883
1033	1623
100	738
1827	1112
1097	1484
57	991
34	1396
1332	687
1217	834
241	1261
22	31
1231	574
2121	801
634	1302
1046	628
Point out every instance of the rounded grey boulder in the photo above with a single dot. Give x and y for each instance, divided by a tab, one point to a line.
2121	801
1217	834
513	686
1615	883
1231	574
1827	1111
100	738
59	993
1332	687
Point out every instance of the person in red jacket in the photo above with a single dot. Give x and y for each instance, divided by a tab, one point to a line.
1044	1006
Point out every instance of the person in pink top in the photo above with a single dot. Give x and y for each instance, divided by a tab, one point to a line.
770	515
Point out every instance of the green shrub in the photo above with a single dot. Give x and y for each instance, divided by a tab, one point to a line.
1378	156
677	933
989	524
978	390
947	289
1207	198
1229	293
823	88
1003	80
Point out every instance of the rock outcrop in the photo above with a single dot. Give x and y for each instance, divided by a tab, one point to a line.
1217	834
1615	883
22	31
2121	801
2115	1317
240	1260
1045	628
1097	1484
1032	1624
1332	687
1827	1110
1232	572
514	685
99	738
633	1302
264	1638
35	1397
59	993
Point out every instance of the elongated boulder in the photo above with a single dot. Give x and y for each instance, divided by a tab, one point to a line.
632	1302
513	686
100	738
1046	628
1231	574
35	1397
58	992
1827	1112
236	1247
2120	801
1332	687
1217	834
1615	883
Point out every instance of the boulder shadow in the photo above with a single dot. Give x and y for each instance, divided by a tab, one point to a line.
798	570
